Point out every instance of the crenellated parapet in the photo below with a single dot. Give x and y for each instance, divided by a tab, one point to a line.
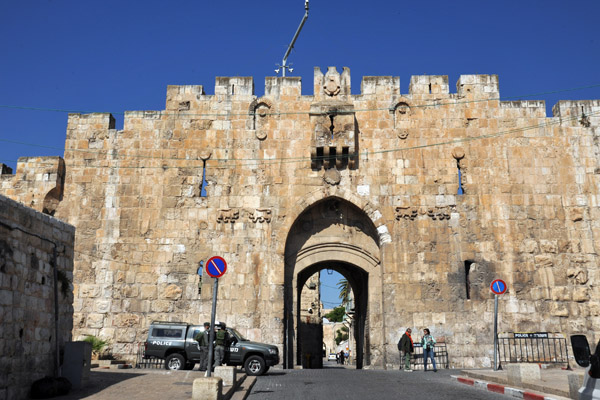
582	113
38	183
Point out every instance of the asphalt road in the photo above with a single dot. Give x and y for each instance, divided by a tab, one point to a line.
335	383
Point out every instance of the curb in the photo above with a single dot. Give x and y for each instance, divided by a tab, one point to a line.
497	388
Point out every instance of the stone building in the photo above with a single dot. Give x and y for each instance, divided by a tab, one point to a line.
420	200
36	298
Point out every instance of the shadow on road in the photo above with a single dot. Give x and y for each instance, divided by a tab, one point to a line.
99	381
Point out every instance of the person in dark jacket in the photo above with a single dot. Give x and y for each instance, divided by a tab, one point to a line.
406	346
221	341
202	338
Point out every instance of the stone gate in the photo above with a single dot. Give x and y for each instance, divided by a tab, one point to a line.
419	199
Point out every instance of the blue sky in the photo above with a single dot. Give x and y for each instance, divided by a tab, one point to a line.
330	294
112	56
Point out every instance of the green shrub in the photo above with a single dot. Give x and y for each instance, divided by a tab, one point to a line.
97	344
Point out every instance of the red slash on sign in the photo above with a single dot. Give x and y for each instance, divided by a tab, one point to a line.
216	266
498	286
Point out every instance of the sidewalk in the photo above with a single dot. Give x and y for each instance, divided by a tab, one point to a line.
554	383
145	384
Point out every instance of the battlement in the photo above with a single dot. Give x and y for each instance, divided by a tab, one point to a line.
578	113
37	183
332	83
96	121
334	86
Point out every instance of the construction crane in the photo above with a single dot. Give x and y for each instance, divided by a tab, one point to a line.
284	65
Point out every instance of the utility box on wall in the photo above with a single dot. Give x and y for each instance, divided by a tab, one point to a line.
77	363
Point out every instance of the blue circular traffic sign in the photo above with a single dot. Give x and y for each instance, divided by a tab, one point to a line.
498	286
216	266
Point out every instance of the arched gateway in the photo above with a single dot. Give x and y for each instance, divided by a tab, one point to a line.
332	233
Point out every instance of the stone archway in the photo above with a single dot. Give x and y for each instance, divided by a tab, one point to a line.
334	234
308	336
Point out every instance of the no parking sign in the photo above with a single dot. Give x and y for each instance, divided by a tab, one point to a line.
498	286
216	266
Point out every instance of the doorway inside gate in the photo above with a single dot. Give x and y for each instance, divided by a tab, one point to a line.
310	337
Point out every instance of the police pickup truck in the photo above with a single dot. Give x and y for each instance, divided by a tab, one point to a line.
174	342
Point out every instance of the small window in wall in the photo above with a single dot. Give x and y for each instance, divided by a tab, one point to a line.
204	182
468	279
460	191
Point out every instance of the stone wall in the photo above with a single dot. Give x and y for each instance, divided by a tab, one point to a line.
367	184
31	246
38	182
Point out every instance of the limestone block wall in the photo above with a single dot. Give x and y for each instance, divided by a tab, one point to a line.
31	246
454	189
38	182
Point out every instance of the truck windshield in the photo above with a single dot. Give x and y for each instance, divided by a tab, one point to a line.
239	335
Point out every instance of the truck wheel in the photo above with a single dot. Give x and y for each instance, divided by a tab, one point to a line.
175	362
255	365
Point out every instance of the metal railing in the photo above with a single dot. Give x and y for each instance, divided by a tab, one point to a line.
141	362
535	347
440	353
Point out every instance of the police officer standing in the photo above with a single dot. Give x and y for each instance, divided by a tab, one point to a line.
221	340
202	339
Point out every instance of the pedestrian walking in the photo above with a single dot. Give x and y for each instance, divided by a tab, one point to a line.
202	338
221	340
428	343
341	357
406	346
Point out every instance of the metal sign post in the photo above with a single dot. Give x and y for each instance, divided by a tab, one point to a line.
215	267
495	332
498	287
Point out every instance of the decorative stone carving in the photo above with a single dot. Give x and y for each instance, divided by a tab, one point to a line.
435	213
260	215
458	153
440	213
406	213
332	85
261	135
228	215
577	276
332	176
401	110
260	111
